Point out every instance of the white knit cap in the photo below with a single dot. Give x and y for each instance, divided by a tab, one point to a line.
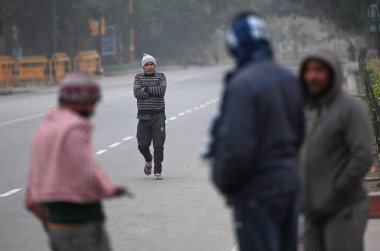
147	59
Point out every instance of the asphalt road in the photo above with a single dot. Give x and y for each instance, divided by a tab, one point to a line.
182	212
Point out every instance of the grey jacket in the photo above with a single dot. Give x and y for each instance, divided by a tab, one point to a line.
337	150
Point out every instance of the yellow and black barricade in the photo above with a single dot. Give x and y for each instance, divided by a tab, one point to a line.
60	64
7	69
88	61
32	69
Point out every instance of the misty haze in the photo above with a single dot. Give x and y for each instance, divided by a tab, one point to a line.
189	125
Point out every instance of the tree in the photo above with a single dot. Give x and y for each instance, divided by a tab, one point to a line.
349	15
169	29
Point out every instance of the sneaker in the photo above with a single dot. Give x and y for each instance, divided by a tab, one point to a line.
158	176
148	168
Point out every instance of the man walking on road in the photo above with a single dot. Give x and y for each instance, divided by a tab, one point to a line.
257	141
149	89
336	156
66	184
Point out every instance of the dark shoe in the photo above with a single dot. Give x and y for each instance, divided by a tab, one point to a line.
148	168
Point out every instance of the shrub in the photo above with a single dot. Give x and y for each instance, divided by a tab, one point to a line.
374	76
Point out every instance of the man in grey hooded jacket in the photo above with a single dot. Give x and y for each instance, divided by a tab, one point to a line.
336	156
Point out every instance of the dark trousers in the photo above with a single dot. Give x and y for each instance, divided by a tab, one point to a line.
89	236
343	231
148	131
267	224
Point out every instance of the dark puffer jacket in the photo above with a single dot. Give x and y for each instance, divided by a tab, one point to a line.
260	131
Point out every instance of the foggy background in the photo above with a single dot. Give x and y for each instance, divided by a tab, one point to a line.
177	32
184	212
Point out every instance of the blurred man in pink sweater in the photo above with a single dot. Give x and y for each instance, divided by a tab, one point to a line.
66	184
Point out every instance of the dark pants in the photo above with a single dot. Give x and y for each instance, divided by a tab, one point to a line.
148	131
343	231
89	236
267	224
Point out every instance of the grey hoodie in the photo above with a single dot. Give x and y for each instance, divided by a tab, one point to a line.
337	150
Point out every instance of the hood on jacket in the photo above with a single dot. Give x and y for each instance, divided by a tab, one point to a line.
248	39
330	58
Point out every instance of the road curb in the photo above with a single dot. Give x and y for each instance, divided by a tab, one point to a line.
6	91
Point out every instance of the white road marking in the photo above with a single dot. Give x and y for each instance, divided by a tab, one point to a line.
10	192
128	138
235	248
170	119
115	144
9	122
101	152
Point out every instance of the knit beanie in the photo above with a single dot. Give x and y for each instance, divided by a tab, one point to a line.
79	87
147	59
248	39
